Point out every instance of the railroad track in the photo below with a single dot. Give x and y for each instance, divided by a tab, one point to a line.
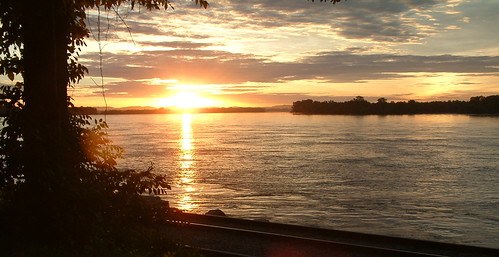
222	236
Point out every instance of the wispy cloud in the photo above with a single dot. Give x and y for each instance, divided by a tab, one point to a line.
340	67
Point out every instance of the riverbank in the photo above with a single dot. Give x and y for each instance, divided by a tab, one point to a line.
240	237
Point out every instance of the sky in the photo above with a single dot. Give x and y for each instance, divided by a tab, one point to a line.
274	52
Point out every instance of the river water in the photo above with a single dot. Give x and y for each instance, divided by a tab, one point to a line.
432	177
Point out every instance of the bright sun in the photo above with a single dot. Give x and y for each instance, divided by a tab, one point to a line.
186	100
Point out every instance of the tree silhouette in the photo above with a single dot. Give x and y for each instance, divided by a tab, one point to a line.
382	100
40	41
58	183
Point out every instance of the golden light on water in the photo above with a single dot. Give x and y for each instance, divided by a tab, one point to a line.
186	133
187	172
186	203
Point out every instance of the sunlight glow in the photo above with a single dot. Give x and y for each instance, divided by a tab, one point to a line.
187	100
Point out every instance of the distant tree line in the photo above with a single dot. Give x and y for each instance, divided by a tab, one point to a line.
95	111
359	106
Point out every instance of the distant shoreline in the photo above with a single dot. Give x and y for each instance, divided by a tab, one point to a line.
479	105
113	111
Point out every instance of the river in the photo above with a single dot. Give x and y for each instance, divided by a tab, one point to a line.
432	177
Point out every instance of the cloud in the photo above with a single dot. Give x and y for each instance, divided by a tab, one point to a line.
217	67
178	44
346	67
403	21
132	88
381	21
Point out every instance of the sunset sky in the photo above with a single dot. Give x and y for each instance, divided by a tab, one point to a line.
274	52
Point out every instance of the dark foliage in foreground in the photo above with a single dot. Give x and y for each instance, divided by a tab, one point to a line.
60	193
359	106
94	209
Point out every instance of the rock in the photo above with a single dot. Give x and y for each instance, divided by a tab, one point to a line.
216	212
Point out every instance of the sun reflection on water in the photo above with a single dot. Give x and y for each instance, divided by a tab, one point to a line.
187	172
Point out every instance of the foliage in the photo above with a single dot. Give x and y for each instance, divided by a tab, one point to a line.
359	106
10	139
93	207
60	191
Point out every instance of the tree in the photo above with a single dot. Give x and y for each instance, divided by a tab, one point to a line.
382	100
359	99
57	174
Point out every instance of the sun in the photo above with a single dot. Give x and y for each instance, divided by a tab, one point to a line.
187	100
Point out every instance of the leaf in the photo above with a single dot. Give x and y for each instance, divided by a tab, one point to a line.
11	76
